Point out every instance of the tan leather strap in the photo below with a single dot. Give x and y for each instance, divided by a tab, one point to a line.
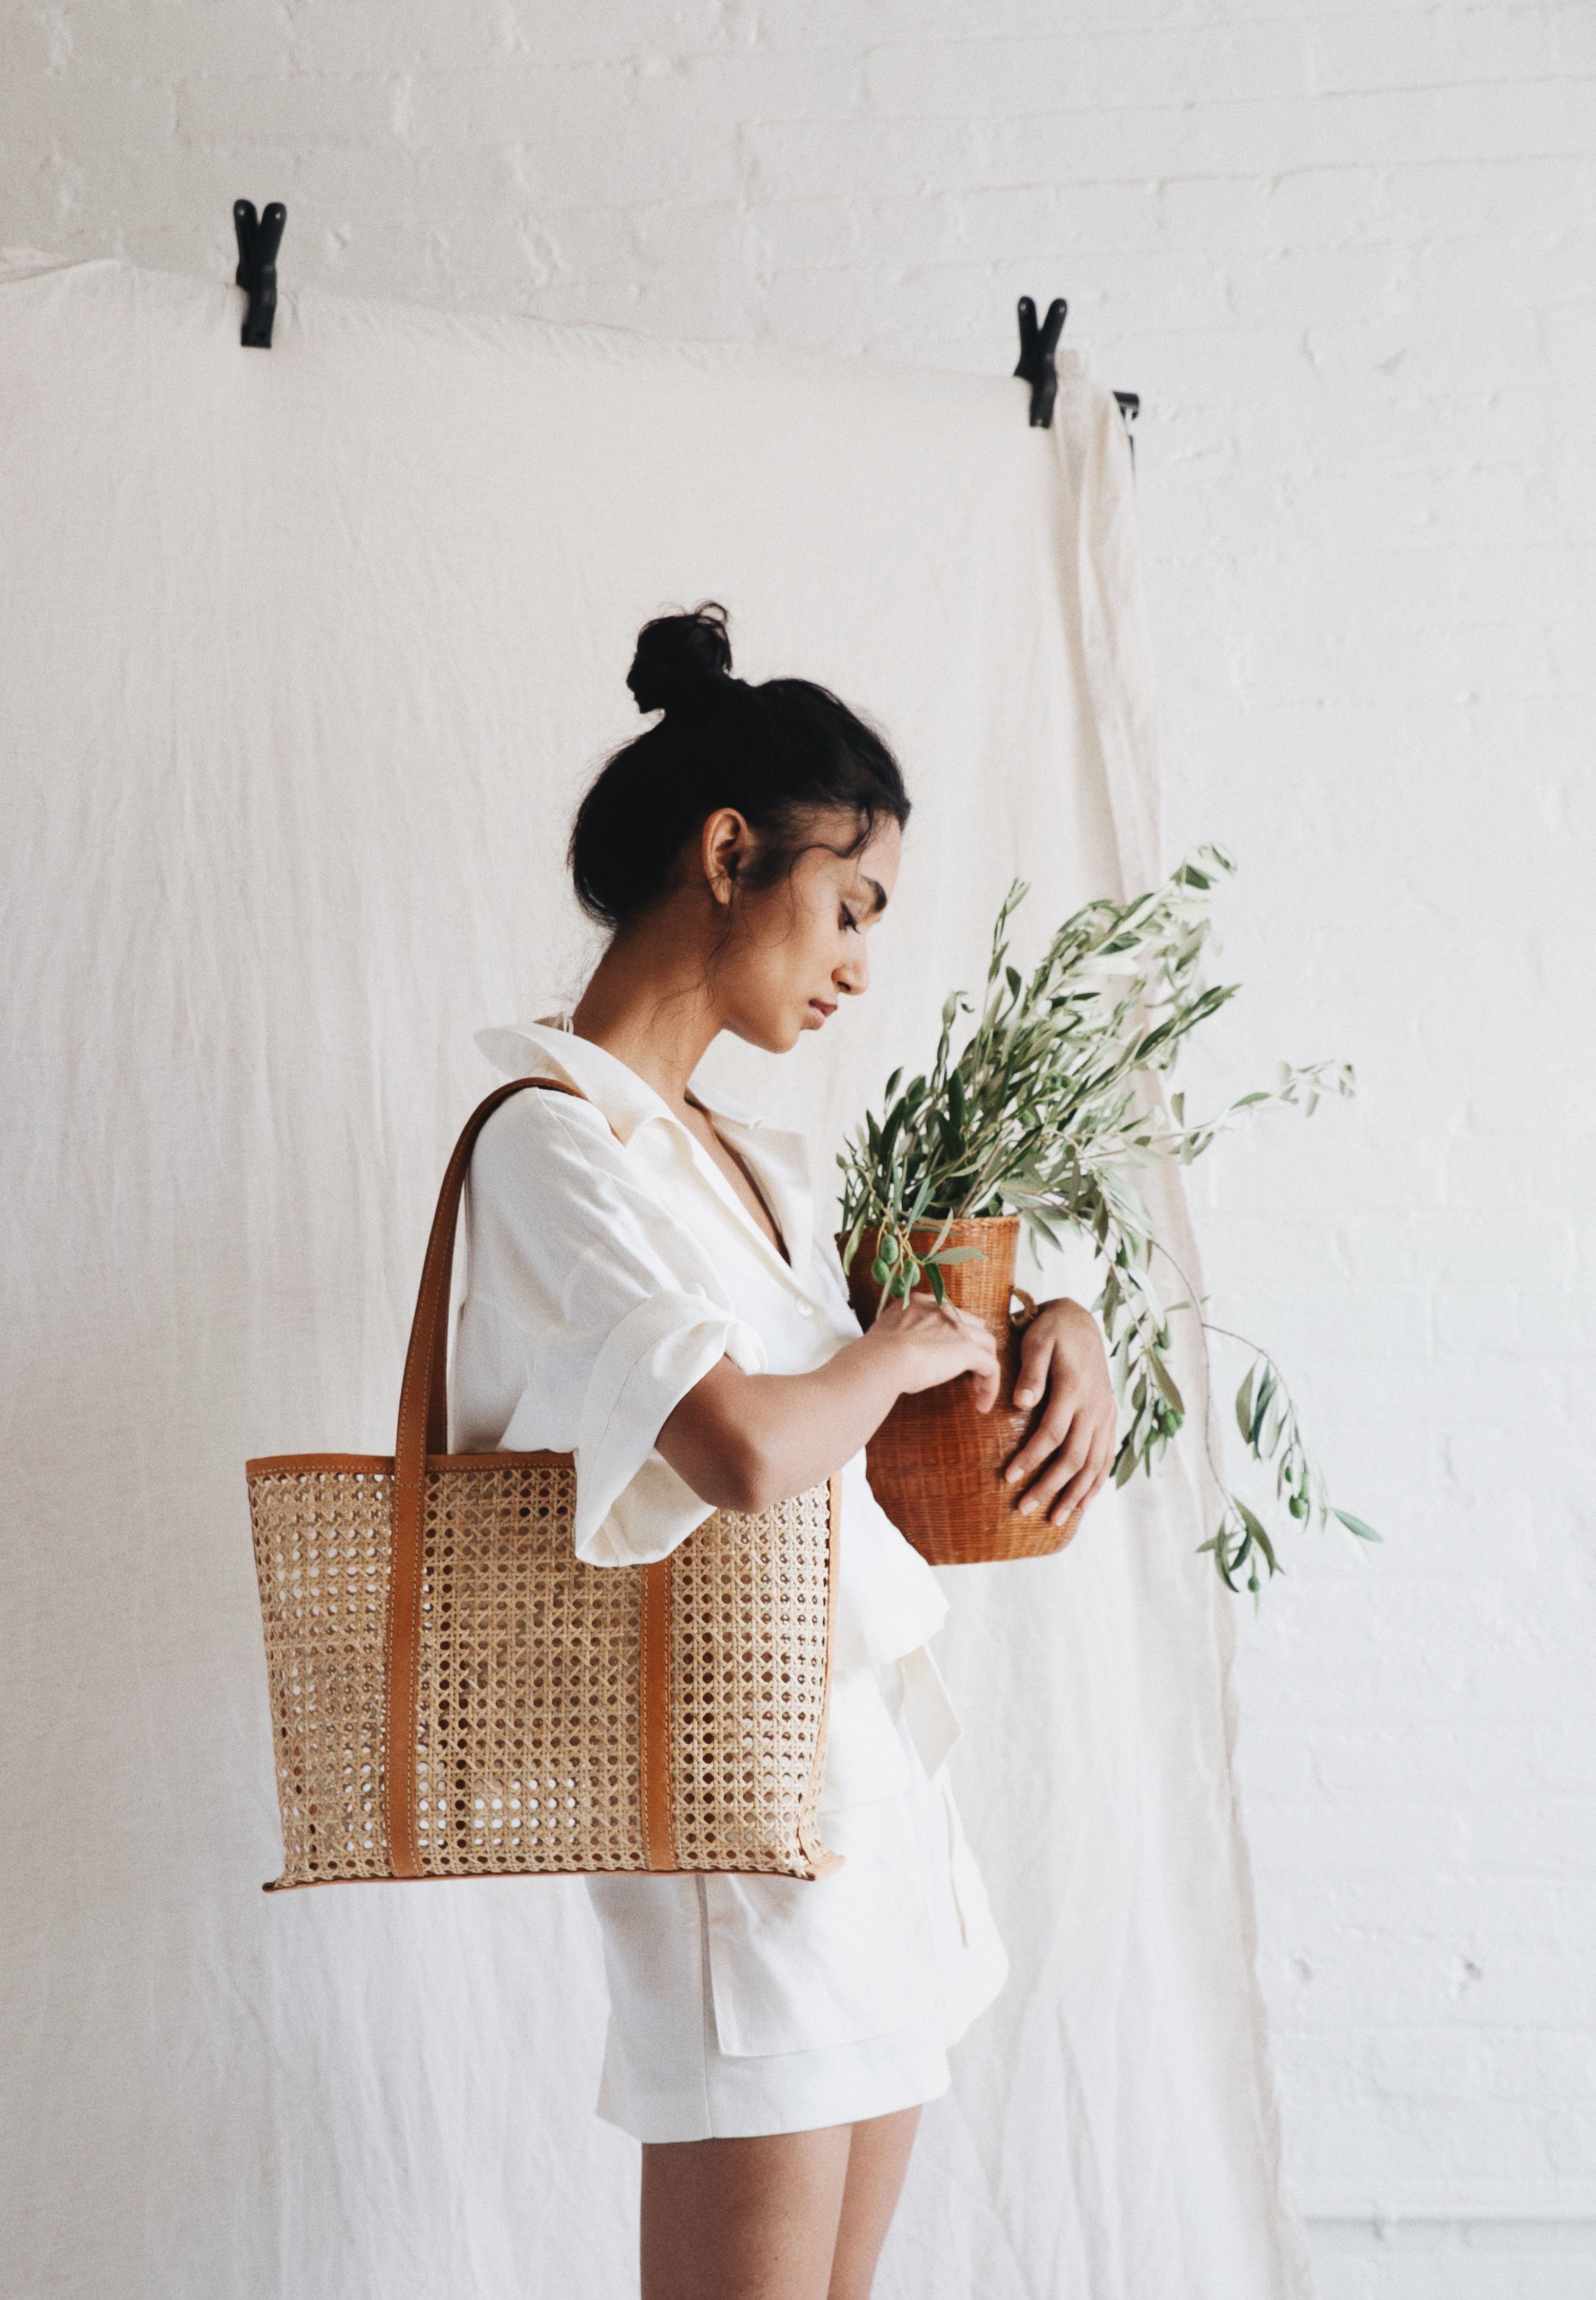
655	1752
423	1429
822	1859
437	1394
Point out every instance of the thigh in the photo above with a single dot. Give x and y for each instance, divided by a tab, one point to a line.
743	2220
877	2160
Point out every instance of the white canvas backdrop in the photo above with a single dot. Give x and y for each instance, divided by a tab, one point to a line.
305	656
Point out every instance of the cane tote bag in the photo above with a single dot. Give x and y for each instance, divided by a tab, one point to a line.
455	1694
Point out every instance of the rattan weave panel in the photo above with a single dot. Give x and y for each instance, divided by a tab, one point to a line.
527	1741
321	1545
748	1671
528	1711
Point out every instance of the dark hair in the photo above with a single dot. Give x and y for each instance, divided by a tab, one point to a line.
780	752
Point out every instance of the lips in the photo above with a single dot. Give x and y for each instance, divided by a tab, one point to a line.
819	1006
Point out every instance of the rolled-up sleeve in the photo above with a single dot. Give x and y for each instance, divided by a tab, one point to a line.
632	1506
582	1282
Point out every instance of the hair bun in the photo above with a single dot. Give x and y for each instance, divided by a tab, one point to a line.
684	662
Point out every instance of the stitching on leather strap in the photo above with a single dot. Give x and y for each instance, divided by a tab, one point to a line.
821	1859
654	1717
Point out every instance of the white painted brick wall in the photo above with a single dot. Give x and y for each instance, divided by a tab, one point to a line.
1345	252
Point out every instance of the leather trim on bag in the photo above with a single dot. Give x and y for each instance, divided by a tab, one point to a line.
820	1857
381	1465
655	1756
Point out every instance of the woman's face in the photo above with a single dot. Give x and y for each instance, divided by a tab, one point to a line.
798	948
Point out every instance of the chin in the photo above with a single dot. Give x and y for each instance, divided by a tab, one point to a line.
772	1037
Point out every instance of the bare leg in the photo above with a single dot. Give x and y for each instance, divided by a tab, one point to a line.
876	2163
744	2219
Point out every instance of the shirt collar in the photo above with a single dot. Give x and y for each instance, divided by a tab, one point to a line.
544	1050
780	1159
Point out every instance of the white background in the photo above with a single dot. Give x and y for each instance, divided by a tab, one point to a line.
1346	258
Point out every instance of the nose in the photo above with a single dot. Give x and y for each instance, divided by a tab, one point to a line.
852	977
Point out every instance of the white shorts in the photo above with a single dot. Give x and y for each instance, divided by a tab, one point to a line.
861	1981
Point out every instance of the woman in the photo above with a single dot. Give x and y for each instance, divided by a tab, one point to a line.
649	1289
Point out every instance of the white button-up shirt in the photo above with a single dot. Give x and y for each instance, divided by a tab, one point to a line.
611	1265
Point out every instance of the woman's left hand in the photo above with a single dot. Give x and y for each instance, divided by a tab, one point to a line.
1071	1451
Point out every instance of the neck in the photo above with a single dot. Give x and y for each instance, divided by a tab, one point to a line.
650	1004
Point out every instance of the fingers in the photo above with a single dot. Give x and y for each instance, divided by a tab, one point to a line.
1065	1461
1054	1428
1036	1353
947	1342
986	1373
986	1381
1075	1472
1101	1474
924	1311
1059	1472
1100	1479
1078	1491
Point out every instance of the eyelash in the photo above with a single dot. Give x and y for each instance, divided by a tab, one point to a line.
848	921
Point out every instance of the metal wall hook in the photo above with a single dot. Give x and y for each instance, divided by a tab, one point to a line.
259	239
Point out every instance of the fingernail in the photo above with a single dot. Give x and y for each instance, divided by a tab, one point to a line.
1023	1397
1027	1509
1011	1477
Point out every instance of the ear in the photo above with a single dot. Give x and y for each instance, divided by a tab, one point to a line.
725	843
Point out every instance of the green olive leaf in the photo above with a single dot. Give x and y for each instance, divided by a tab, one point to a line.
1043	1099
1356	1525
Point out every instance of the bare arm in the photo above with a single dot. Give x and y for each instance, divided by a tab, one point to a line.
744	1441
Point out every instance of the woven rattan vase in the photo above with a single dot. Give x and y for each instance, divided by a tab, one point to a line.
935	1466
454	1693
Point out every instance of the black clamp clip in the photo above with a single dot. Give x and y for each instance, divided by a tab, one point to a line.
259	239
1037	366
1129	404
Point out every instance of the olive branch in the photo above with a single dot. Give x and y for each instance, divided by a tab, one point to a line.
1048	1109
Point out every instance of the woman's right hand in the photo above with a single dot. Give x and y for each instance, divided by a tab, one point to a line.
931	1343
744	1440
